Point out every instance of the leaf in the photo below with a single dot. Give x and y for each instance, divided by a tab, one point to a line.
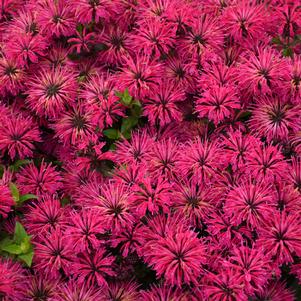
127	135
27	197
12	248
27	258
127	98
112	134
19	163
20	233
1	171
128	123
276	40
287	52
15	192
136	109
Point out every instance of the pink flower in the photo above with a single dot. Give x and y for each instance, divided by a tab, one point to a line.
53	253
218	103
50	91
127	291
227	285
82	229
140	75
151	196
194	200
73	291
134	151
244	20
261	72
274	119
55	18
266	162
161	107
203	34
178	257
276	291
155	37
83	41
86	11
44	216
25	49
252	264
39	181
12	280
281	236
164	292
17	137
198	160
76	127
91	269
249	202
6	200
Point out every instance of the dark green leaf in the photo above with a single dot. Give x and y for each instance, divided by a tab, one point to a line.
27	197
127	135
100	47
15	192
136	109
287	52
112	134
19	163
20	233
276	40
128	123
1	171
27	258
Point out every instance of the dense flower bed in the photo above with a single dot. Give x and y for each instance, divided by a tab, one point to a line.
150	150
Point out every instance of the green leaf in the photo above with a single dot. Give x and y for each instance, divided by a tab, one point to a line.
15	192
136	109
276	40
12	248
27	197
112	134
127	135
20	233
287	52
19	163
27	258
128	123
1	171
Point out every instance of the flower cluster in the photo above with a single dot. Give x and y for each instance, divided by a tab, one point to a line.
151	149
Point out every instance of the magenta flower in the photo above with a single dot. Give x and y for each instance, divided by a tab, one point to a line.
140	75
72	291
178	257
17	137
194	200
53	253
151	195
50	91
44	216
11	280
281	237
39	181
253	265
157	37
203	34
245	20
123	291
218	103
266	162
198	159
227	285
6	200
82	229
83	42
276	291
261	72
55	18
161	107
274	119
92	269
165	292
25	49
76	127
249	202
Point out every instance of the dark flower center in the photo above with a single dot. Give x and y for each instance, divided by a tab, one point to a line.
52	90
78	122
